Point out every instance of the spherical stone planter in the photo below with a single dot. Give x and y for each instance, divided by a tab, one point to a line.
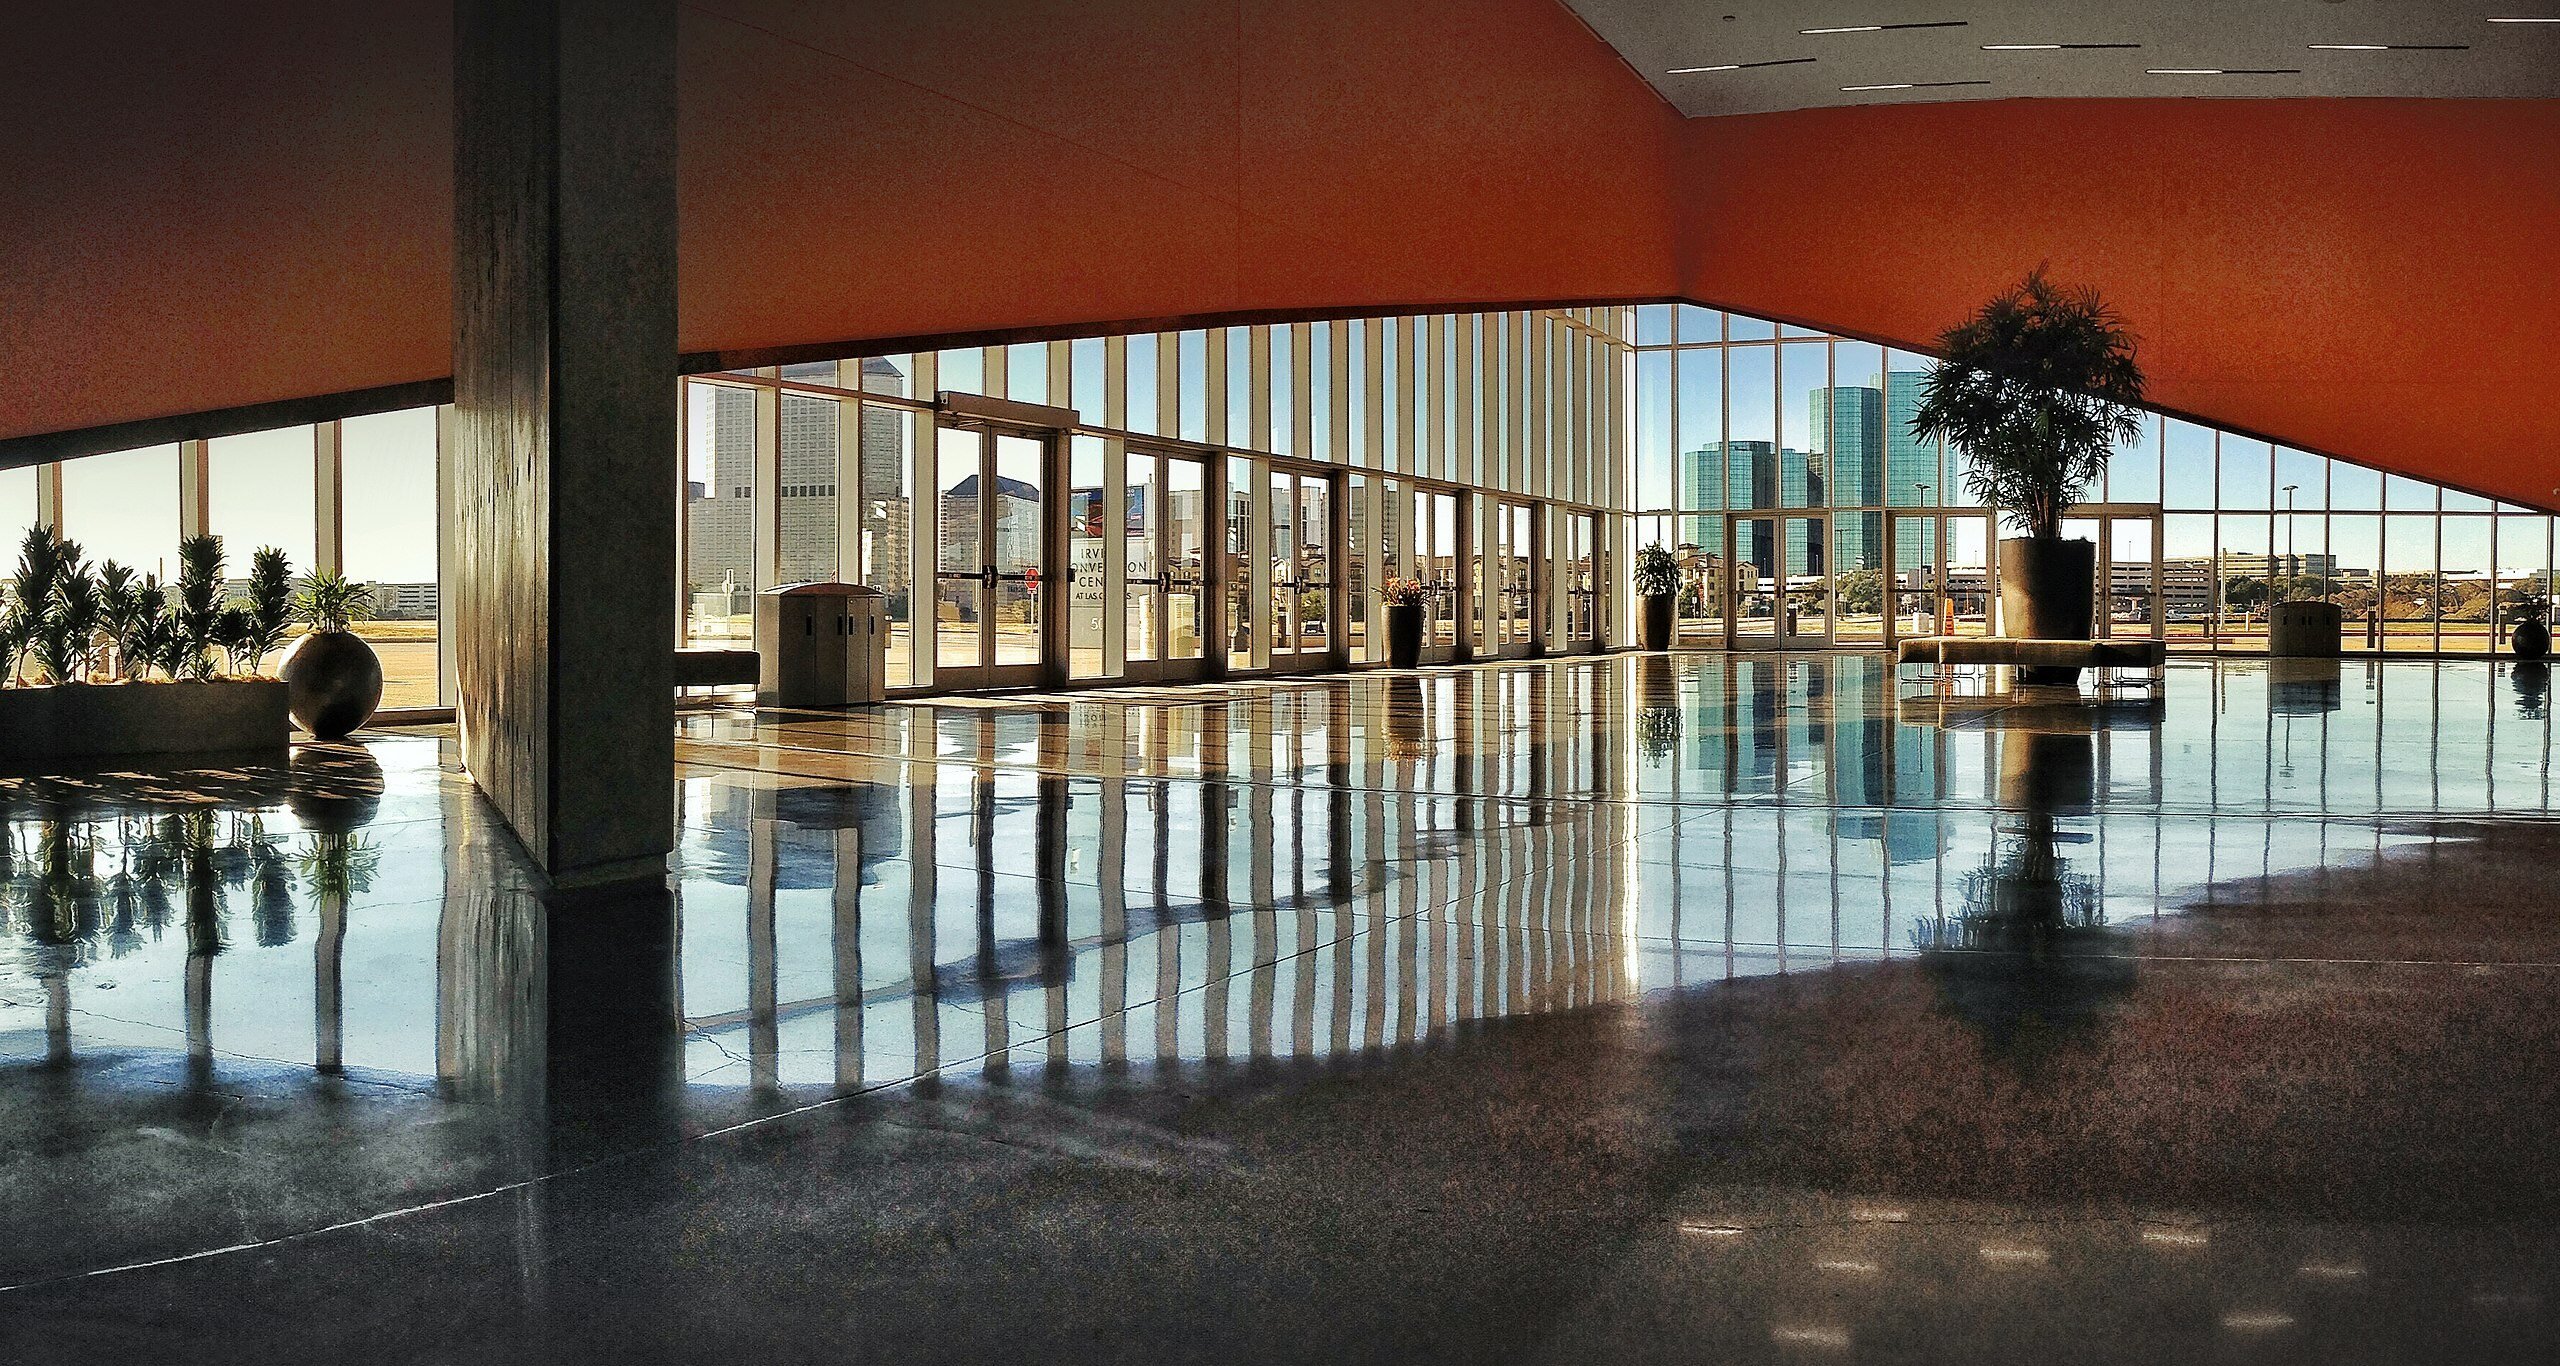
335	682
2530	640
1404	634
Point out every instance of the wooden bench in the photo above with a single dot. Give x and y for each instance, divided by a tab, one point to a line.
716	668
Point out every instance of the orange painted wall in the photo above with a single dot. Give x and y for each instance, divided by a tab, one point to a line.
226	210
2373	279
938	166
204	206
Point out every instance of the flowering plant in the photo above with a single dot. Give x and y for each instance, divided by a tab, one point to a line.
1405	592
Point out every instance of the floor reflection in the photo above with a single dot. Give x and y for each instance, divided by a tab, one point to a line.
295	998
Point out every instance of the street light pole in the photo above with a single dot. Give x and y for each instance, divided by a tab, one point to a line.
2292	564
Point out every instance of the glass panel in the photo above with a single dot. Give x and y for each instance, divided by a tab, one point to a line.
1808	598
1187	557
959	609
259	491
124	507
1443	560
2131	569
1519	583
963	370
1704	584
1915	576
2408	583
2241	576
2353	488
1353	562
1700	428
2302	481
1240	613
1737	327
1804	470
2355	552
387	465
1654	430
1193	369
1848	419
720	526
1091	523
2524	569
887	530
1319	442
1145	523
888	375
1911	465
1284	564
1284	393
1086	370
1315	556
1858	577
1360	396
1393	356
1239	386
1969	591
2133	472
17	513
1700	324
2247	467
2465	584
1145	406
806	501
1653	324
1015	613
2187	484
1753	579
2402	494
1751	444
1026	372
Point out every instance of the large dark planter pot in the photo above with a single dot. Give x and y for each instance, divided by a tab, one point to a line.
2530	640
1404	634
335	682
2045	588
1657	621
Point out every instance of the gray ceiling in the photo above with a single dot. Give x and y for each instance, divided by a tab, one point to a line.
1660	36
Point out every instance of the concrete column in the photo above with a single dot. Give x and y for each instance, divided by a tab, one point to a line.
329	499
565	424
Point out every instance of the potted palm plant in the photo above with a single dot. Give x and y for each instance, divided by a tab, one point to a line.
1404	622
2039	385
333	677
1657	583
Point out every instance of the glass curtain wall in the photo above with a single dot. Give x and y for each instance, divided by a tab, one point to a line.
358	497
1733	414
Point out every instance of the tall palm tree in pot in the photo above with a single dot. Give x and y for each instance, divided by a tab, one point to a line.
2039	385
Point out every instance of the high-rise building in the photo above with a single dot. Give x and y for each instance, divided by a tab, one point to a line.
1847	422
1910	464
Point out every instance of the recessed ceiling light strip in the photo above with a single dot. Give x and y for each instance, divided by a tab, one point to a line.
1742	66
1914	85
2055	47
2532	19
2390	47
2225	71
1887	28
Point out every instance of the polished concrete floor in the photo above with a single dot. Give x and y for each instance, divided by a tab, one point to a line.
1698	1008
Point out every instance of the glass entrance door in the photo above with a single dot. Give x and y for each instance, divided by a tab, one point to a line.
1777	585
988	575
1581	583
1512	629
1166	567
1301	569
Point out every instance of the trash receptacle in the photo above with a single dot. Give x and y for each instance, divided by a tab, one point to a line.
809	644
866	644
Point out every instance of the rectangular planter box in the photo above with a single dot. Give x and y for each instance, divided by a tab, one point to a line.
120	720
